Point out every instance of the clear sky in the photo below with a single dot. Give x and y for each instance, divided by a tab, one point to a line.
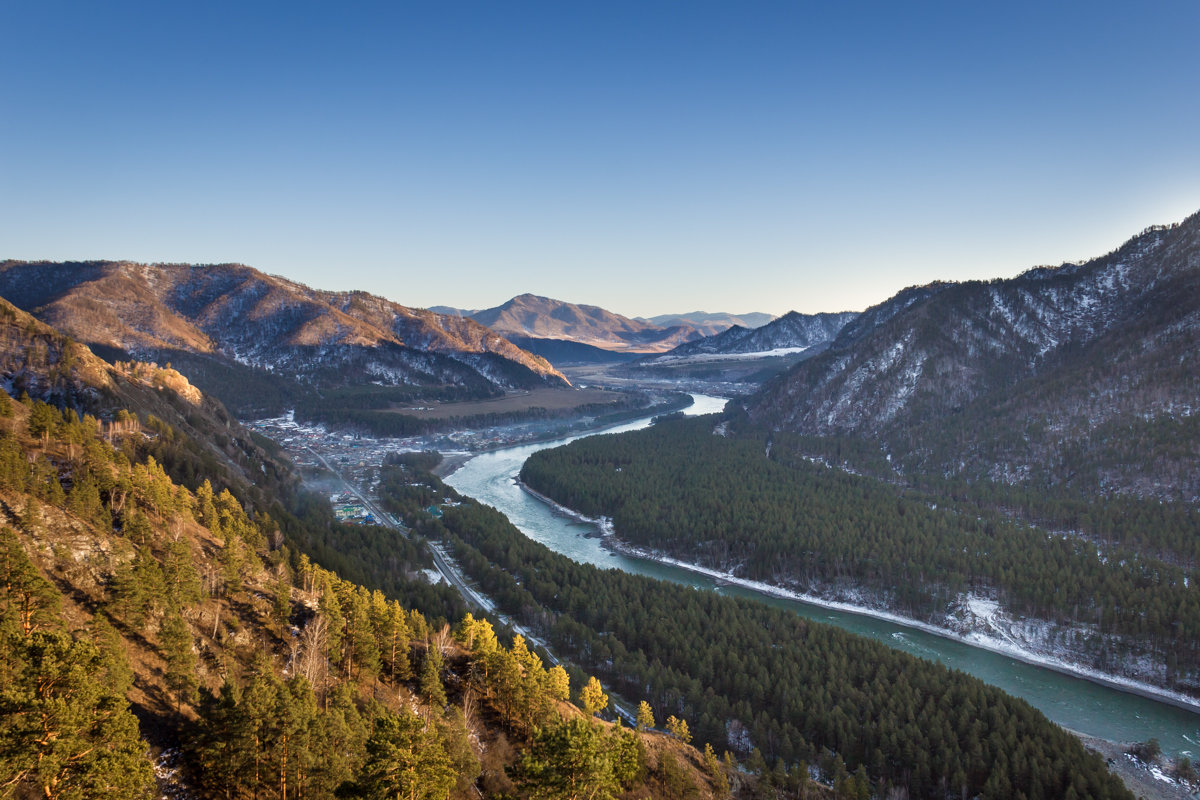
648	157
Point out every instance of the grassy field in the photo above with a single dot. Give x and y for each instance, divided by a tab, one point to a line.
551	399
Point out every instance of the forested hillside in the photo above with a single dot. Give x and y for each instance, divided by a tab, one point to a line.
760	681
260	342
168	626
748	505
792	330
1078	378
155	638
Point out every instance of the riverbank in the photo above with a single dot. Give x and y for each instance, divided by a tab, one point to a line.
981	636
1151	783
453	460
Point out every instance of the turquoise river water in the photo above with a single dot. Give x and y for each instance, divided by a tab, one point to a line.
1086	706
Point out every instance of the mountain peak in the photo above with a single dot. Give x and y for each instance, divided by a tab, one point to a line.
232	314
530	315
1002	379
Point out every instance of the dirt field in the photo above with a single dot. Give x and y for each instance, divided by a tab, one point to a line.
552	399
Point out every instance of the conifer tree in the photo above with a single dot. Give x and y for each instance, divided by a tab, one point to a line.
206	509
398	641
568	761
405	760
119	675
231	564
592	697
63	732
679	729
431	678
627	753
25	596
645	716
559	683
31	516
180	577
176	638
720	783
43	421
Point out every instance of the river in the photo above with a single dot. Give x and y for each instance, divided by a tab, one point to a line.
1081	705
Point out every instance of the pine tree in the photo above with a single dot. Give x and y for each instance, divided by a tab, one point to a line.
627	753
118	673
206	510
679	729
568	761
25	595
179	574
431	678
405	760
559	683
720	783
592	697
645	716
63	732
31	517
177	646
43	421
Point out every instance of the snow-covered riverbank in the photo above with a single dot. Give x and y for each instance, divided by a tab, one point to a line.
976	621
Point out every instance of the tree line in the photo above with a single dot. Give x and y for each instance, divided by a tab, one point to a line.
280	678
738	504
766	684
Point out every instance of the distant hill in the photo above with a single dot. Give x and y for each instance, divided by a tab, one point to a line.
565	353
256	340
1082	375
710	324
148	617
792	331
452	311
546	318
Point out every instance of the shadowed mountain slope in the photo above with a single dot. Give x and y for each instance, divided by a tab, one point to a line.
1079	375
232	324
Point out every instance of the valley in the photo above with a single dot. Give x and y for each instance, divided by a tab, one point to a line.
603	401
1076	598
1116	714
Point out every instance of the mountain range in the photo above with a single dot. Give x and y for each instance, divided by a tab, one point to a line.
545	318
792	331
710	323
1081	375
231	324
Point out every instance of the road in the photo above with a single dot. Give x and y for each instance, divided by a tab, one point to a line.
441	561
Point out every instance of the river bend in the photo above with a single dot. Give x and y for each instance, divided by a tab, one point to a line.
1081	705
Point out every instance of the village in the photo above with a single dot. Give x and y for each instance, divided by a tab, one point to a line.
357	458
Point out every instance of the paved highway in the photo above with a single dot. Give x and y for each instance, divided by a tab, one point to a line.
441	561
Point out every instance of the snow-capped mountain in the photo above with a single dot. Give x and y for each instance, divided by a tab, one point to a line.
1082	374
792	331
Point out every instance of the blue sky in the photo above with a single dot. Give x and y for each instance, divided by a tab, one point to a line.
647	157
